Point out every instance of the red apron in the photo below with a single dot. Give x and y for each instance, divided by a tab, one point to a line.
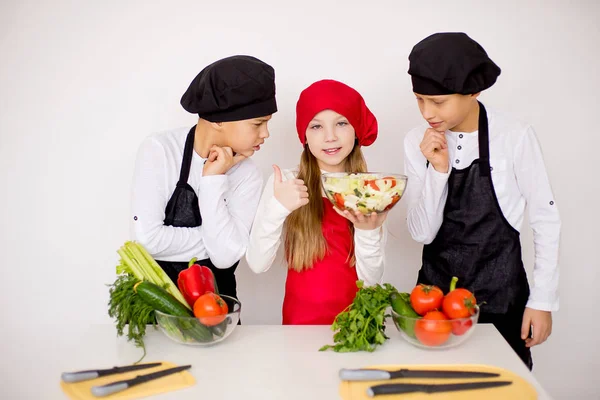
316	296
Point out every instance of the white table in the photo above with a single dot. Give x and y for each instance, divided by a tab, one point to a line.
255	362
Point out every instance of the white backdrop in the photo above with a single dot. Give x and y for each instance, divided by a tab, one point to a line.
82	83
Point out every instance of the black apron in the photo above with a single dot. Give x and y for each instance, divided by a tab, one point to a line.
183	211
478	245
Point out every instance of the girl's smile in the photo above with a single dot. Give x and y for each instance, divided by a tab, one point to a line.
332	151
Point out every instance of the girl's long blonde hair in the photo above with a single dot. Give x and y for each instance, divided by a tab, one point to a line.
304	241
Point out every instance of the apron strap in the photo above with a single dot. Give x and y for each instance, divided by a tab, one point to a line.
484	141
186	163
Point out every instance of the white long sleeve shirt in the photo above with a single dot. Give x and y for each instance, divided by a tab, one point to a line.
520	179
267	230
227	204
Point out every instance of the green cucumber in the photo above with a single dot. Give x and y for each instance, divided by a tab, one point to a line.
401	305
160	299
220	329
193	328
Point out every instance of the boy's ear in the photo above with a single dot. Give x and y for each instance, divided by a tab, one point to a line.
476	95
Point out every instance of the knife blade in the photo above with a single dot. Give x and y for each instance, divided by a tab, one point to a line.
105	390
79	376
401	388
380	374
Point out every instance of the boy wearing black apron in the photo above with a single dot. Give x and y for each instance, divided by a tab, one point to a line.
195	190
471	173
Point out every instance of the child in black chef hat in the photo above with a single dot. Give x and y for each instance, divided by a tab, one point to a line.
195	190
472	172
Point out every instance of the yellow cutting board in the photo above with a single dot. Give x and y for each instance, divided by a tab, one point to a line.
520	388
179	380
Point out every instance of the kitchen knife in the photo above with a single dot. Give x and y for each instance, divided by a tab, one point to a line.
401	388
380	374
105	390
96	373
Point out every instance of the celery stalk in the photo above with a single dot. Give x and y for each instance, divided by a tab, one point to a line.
132	267
144	267
147	269
171	287
122	268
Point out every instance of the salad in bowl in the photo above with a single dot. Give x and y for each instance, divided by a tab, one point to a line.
366	192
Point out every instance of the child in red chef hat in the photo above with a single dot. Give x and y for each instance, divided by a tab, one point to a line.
326	250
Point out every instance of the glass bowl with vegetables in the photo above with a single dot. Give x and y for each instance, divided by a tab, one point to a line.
429	319
365	192
206	317
214	319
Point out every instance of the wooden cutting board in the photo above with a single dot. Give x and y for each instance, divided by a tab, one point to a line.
520	388
179	380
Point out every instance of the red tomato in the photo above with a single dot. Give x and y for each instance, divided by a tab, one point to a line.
425	298
385	183
210	309
395	199
390	181
339	200
433	329
458	303
372	183
461	326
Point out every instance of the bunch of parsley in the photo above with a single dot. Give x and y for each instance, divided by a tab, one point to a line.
361	326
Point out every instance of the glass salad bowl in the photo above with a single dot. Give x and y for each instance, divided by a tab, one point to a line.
435	334
366	192
200	331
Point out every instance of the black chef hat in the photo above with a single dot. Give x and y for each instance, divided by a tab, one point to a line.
232	89
447	63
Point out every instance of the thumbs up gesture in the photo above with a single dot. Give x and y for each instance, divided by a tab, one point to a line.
292	194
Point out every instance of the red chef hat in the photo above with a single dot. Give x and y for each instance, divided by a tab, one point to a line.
336	96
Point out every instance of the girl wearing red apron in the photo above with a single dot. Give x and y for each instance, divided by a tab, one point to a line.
326	251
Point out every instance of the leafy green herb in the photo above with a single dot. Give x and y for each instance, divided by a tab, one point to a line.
129	309
357	193
361	327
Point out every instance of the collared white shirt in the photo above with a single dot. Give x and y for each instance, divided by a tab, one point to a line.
227	204
519	178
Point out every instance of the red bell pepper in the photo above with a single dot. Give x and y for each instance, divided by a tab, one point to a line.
195	281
